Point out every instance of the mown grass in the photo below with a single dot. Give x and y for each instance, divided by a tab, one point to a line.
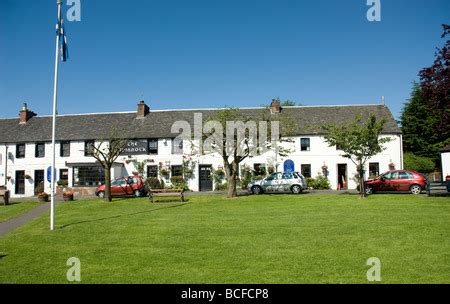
15	209
254	239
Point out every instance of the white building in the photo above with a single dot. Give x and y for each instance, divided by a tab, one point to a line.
445	161
25	147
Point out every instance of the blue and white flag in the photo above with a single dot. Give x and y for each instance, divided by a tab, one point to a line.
62	41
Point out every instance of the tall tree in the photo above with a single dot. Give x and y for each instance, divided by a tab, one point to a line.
359	141
106	153
426	116
245	141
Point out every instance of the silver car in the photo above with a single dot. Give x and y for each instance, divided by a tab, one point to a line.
279	182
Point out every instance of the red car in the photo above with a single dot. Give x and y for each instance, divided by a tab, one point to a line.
397	180
124	186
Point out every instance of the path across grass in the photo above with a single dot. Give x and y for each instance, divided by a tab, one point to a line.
15	209
253	239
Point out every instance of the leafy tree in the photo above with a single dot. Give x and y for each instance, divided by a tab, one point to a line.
106	153
359	141
426	116
241	145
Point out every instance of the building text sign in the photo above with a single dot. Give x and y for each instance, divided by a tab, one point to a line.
135	147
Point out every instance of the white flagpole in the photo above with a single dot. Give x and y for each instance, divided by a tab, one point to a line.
55	89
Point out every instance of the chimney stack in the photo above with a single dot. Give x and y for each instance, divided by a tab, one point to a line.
142	109
275	106
25	114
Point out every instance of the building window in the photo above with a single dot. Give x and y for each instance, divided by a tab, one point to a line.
374	169
153	146
65	149
152	171
177	171
64	177
20	151
177	146
305	144
88	147
39	150
259	169
88	176
306	170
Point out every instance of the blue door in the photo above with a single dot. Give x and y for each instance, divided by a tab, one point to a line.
289	166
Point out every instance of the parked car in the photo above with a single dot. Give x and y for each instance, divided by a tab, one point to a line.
447	180
279	182
124	186
397	180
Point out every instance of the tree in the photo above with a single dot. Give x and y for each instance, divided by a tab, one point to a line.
359	141
426	116
106	153
242	143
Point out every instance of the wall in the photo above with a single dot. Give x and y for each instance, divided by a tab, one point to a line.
445	159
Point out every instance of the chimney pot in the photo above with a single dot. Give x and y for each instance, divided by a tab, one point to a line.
25	114
142	109
275	106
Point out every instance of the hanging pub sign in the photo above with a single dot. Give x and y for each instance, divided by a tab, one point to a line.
135	147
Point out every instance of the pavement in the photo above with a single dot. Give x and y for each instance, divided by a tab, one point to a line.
16	222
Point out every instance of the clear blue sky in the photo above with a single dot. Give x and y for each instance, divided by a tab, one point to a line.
194	54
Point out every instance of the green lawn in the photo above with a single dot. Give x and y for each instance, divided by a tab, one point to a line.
254	239
15	209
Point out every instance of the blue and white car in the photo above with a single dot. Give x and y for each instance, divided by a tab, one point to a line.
292	182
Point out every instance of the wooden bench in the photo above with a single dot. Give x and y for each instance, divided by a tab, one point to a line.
166	193
5	194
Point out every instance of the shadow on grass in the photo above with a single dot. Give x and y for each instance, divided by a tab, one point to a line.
121	215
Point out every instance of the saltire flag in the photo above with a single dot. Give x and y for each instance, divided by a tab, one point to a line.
62	40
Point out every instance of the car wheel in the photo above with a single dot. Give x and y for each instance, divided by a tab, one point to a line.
369	190
101	194
256	190
137	193
415	189
296	189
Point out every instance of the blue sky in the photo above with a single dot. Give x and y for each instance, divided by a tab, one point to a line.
196	54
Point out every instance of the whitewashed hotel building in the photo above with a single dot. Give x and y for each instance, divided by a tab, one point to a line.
25	147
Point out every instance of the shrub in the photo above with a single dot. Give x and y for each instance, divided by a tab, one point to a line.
418	163
153	183
221	187
178	182
318	183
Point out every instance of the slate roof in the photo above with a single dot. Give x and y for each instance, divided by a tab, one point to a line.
157	124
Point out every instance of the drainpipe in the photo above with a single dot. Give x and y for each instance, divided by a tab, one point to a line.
6	166
401	152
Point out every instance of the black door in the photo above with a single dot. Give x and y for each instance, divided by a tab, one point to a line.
20	182
205	178
342	177
39	176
